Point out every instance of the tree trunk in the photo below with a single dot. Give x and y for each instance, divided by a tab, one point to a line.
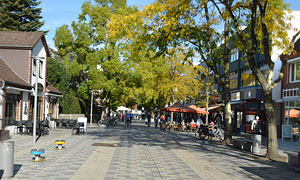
226	85
227	119
272	151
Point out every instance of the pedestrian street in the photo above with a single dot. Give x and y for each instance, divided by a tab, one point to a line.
139	152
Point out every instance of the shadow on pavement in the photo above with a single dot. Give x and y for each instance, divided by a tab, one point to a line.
17	168
140	135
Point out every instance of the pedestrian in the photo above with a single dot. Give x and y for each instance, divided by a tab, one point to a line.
130	117
156	120
199	122
218	119
149	119
256	125
162	117
127	118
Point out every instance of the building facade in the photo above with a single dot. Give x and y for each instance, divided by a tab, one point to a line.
24	55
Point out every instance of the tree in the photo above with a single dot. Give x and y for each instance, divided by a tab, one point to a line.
167	24
92	59
20	15
267	24
57	76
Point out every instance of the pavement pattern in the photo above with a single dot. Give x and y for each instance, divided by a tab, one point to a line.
139	152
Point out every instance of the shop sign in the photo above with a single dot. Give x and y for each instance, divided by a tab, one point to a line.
251	94
236	96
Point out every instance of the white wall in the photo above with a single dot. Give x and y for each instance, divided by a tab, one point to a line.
47	104
25	103
1	107
39	51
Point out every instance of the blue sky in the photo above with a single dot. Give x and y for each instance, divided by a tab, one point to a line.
59	12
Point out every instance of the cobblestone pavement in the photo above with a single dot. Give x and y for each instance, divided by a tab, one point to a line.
139	153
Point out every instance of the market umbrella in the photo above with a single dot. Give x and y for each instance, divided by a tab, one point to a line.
122	108
174	108
294	113
194	109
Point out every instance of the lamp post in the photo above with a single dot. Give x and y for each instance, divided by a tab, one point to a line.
37	68
91	115
92	98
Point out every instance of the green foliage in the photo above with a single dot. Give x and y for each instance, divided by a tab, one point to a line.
71	104
20	15
58	77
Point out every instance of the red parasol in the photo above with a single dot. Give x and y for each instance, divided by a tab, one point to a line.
294	113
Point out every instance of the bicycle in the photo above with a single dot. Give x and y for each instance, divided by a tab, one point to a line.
110	121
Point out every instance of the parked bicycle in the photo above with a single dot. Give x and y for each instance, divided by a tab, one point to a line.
208	132
108	121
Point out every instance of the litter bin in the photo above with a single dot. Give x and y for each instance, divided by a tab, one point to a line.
256	146
7	158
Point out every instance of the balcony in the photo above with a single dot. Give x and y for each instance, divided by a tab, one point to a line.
291	94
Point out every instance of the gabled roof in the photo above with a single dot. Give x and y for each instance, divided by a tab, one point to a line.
10	77
51	89
21	39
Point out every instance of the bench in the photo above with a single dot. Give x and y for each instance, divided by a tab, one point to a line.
244	142
293	160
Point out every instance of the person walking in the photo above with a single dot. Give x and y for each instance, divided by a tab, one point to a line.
256	125
127	119
149	119
156	120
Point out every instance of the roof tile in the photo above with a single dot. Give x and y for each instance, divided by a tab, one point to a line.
7	74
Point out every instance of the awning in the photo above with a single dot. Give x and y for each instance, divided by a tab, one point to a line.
294	113
236	102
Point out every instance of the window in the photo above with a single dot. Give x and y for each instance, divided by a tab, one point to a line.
40	68
234	55
247	80
34	67
295	72
233	83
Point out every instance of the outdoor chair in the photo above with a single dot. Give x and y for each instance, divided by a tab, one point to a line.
44	126
19	126
59	123
76	128
72	123
65	123
193	127
28	126
81	128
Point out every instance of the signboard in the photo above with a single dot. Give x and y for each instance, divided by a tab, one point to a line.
84	120
287	132
236	96
251	94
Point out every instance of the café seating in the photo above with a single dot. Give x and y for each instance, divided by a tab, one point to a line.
28	127
20	127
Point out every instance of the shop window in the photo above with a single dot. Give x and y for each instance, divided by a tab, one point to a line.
11	108
295	72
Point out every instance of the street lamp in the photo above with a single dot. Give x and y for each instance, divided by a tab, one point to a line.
37	68
92	97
